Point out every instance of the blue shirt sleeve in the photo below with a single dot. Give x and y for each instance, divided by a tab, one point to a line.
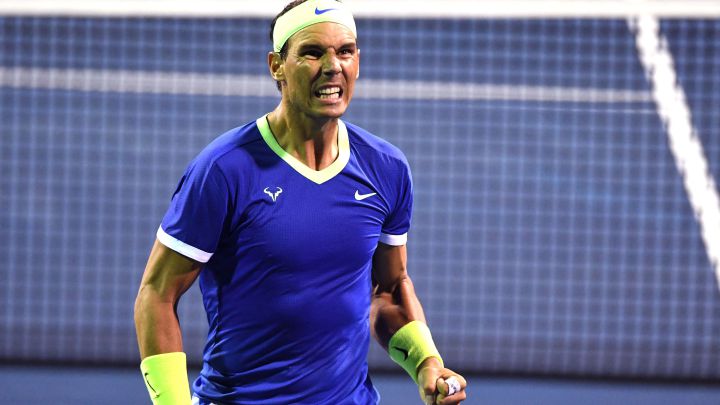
195	220
397	223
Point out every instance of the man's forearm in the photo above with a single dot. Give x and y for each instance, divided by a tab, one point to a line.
397	320
156	324
164	367
393	308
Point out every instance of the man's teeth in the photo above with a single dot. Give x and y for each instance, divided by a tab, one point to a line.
328	93
329	90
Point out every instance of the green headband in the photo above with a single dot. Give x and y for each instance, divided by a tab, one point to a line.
309	13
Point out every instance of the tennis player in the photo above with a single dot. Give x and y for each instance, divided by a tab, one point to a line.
295	225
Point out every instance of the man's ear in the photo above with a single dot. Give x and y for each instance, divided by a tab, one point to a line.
358	72
276	66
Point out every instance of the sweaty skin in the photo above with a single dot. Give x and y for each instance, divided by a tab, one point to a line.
321	57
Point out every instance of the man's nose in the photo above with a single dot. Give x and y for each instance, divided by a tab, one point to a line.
331	64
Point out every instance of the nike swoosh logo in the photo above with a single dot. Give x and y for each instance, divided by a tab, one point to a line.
318	11
359	196
401	350
148	383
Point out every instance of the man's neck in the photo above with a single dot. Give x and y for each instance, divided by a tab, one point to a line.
311	141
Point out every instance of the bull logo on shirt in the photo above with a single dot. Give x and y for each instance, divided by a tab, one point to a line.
274	195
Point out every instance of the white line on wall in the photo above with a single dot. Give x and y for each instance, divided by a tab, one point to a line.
124	81
685	144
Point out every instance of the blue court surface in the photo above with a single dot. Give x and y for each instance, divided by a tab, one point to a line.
122	386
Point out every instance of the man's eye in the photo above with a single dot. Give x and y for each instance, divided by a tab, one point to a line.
312	54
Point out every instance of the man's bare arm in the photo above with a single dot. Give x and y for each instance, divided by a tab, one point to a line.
167	276
394	305
394	302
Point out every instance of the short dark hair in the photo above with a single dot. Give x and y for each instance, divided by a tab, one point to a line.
283	51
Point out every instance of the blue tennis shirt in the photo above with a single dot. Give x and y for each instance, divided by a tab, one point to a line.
288	253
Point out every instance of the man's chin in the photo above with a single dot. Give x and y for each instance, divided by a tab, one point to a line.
330	112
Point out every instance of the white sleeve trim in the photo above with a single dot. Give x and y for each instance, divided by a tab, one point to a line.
182	247
393	240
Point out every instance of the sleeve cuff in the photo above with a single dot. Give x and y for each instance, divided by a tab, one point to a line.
393	240
182	247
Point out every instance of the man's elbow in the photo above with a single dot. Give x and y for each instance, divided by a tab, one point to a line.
146	300
139	307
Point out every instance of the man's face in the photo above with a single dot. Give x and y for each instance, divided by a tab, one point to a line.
320	70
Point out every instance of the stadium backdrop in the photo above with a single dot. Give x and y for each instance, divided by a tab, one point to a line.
565	157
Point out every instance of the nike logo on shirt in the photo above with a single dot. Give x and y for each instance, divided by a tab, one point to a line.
360	197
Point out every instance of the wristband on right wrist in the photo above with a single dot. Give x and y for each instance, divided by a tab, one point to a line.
166	378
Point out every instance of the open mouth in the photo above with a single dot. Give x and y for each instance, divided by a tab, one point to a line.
329	93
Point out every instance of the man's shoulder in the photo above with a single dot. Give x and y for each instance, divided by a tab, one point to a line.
368	143
230	146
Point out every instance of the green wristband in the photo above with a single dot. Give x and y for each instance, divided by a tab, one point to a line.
166	378
411	345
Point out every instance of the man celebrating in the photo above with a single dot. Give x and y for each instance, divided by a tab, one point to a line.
296	225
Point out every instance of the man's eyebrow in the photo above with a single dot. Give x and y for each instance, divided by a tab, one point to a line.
316	46
310	45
